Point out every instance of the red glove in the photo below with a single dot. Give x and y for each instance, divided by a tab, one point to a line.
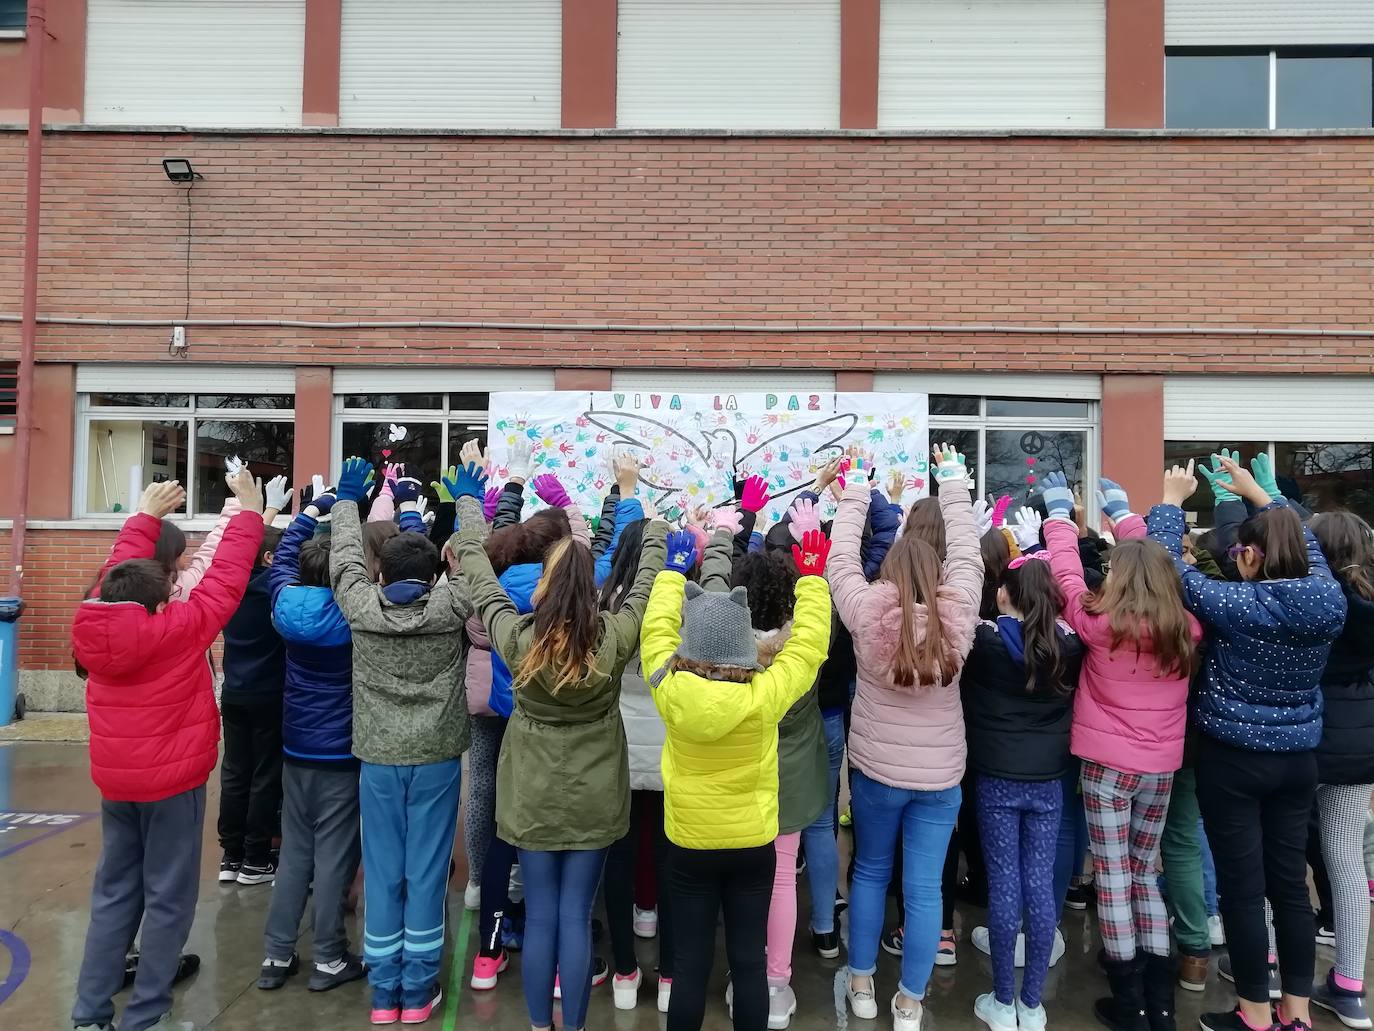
755	494
811	554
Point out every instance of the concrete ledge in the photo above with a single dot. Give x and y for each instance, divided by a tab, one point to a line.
53	690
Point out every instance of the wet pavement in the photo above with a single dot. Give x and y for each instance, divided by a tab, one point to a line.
49	841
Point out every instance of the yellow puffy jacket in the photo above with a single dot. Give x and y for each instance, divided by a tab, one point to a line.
720	761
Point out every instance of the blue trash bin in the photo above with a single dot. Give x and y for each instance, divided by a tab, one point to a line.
10	611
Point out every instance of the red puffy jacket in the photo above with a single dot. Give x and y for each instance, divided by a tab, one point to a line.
150	695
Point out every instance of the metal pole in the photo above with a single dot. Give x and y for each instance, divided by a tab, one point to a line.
28	329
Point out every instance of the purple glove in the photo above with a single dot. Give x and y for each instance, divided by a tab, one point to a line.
550	491
490	502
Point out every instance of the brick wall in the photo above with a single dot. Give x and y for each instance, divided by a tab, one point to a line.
1100	230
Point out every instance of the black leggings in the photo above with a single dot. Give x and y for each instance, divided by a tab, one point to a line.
1255	807
740	881
620	886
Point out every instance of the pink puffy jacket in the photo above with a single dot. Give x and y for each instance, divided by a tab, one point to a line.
907	737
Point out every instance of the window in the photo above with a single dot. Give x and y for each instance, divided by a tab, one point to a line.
14	15
425	431
1292	88
129	440
9	392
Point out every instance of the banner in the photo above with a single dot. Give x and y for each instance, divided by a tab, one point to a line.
691	446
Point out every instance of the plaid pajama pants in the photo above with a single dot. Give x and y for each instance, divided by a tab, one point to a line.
1126	813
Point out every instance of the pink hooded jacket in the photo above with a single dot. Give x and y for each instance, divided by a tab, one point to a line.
1126	715
906	737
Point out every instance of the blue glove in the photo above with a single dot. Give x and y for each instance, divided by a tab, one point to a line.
1262	466
469	481
1219	478
1058	497
405	489
1112	498
357	474
323	502
682	551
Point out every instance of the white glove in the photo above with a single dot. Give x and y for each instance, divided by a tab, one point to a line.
422	506
279	494
1025	529
982	517
519	462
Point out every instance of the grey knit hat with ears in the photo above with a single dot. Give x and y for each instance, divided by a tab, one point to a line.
716	629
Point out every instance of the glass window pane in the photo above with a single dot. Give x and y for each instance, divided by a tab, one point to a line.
247	401
1326	477
1216	91
1017	460
420	449
949	404
1199	507
115	447
967	443
139	400
1011	407
268	449
459	433
1325	92
424	402
468	402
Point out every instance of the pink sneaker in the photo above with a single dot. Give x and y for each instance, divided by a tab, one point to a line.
386	1016
419	1014
485	970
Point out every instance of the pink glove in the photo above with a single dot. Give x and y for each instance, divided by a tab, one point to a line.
805	517
755	494
390	474
489	503
727	518
999	510
550	491
698	535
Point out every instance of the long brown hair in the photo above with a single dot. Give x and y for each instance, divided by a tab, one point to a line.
1348	544
374	536
914	567
996	555
1031	590
567	623
926	521
528	541
1277	533
1143	598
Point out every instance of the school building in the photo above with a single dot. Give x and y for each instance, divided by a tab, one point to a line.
1101	234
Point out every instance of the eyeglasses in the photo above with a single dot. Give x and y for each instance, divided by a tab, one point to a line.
1236	550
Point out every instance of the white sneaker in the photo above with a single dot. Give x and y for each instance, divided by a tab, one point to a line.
997	1016
645	922
1058	949
1215	931
906	1019
625	990
782	1003
861	1001
472	897
983	944
1030	1019
665	993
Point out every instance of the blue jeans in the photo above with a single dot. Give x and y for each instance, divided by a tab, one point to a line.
1072	847
818	840
923	820
1209	871
409	814
560	888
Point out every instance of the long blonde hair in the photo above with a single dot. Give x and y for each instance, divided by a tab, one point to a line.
1143	600
914	567
567	623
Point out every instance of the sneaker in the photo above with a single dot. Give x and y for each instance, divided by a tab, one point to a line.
600	972
861	1000
1030	1018
1230	1020
1326	936
983	944
419	1014
847	820
272	975
229	868
485	970
645	922
1080	896
625	989
513	933
782	1003
166	1023
1216	932
945	954
996	1015
826	944
1275	988
665	993
325	977
253	873
96	1027
841	904
472	897
892	944
904	1019
386	1007
1058	949
1192	973
801	863
1347	1005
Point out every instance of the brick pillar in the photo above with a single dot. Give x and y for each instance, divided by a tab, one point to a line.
859	64
589	54
854	382
54	453
1135	64
1133	436
314	423
320	86
64	68
581	379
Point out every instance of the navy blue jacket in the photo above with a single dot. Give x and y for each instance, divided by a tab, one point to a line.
1346	752
317	709
254	658
1268	645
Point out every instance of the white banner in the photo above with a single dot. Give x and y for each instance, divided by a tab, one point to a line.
691	445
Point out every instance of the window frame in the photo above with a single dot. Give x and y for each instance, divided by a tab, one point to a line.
444	417
192	414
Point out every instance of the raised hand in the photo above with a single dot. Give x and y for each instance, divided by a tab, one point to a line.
518	463
811	553
1262	467
550	490
1058	497
1243	483
357	474
438	487
827	474
999	510
1179	484
1025	528
982	517
1112	499
950	466
490	501
682	551
805	518
391	472
755	494
406	489
469	481
1219	478
246	489
322	501
160	500
896	486
278	494
698	516
625	468
727	518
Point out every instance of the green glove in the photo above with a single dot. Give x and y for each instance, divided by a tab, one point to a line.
438	485
1219	478
1263	468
